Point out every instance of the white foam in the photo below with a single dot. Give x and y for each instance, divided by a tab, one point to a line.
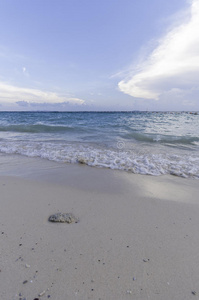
138	161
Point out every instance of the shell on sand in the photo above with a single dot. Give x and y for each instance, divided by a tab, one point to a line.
63	218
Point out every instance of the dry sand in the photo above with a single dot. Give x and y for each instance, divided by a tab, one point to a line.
137	236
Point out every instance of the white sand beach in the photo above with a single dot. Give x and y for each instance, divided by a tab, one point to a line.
137	236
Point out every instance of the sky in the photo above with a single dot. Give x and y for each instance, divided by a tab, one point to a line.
84	55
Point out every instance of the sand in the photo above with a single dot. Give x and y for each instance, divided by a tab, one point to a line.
136	238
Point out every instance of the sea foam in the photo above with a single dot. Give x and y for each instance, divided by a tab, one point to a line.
137	142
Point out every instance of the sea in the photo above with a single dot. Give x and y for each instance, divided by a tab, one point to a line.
149	143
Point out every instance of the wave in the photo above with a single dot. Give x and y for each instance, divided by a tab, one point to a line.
36	128
163	139
143	143
139	162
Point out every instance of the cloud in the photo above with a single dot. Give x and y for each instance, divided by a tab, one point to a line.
172	66
11	94
25	72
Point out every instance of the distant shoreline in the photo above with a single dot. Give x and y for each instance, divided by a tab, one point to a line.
99	111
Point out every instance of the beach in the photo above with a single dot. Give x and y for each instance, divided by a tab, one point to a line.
136	235
99	150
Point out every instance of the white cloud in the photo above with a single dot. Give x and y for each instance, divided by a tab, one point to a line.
25	72
11	94
173	65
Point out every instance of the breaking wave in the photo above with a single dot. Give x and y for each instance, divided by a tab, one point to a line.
135	161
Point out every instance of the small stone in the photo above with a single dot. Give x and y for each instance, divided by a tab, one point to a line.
27	266
63	218
193	293
129	292
25	281
42	293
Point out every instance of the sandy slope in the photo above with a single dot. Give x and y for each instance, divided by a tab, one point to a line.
137	236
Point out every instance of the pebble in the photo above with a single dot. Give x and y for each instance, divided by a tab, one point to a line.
42	293
25	281
193	293
63	218
129	292
27	266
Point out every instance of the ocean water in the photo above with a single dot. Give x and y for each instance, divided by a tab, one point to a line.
151	143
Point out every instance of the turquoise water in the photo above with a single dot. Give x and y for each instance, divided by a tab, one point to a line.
152	143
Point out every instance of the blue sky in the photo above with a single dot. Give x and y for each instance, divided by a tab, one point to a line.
99	55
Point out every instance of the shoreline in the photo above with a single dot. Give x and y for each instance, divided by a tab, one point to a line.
137	235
